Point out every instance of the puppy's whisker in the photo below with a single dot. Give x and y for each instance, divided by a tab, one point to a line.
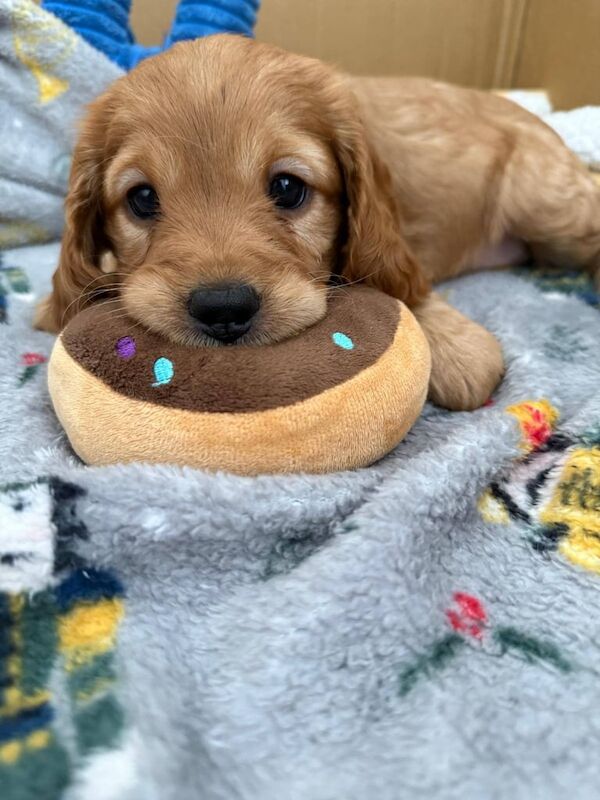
100	277
119	315
84	295
105	287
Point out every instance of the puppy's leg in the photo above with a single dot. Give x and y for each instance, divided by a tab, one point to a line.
466	359
551	201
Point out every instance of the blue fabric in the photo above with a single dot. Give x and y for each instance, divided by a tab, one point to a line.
194	18
105	24
102	23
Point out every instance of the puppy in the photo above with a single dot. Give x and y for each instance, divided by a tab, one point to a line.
217	188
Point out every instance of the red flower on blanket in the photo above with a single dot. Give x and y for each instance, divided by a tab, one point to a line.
537	419
31	363
538	431
469	620
467	616
32	359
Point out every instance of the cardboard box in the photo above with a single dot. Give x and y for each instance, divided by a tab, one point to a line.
484	43
465	41
560	51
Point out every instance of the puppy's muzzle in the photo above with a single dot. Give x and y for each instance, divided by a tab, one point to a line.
224	312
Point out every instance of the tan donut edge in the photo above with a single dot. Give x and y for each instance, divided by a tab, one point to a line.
390	394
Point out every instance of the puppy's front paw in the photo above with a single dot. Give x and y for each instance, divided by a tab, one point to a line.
466	359
465	368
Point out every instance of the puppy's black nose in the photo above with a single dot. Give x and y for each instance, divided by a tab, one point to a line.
224	312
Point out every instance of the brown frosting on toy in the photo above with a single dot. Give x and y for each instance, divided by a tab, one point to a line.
237	378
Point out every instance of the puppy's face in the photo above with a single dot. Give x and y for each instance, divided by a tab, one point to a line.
218	185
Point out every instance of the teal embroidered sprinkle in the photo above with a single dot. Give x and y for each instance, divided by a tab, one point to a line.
163	371
343	341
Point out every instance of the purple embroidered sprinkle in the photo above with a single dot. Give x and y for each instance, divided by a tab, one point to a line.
125	347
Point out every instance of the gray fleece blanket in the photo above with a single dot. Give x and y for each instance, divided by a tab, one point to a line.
424	629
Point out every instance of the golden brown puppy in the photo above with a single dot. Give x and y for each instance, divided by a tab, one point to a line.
218	186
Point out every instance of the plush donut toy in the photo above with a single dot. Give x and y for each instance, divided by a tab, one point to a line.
338	396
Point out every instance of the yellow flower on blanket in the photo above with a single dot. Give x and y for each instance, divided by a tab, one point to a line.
537	419
555	493
42	43
574	506
492	509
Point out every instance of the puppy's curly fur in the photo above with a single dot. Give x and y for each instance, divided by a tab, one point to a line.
409	181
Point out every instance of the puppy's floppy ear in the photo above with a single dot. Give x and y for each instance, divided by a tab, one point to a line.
83	241
376	251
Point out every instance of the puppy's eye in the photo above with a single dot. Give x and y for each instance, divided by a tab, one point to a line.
143	201
288	191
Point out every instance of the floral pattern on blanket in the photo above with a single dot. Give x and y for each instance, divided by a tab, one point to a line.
554	492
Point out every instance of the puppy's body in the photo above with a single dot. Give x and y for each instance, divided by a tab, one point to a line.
478	182
470	168
407	182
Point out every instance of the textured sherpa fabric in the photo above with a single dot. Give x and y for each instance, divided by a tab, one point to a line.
47	74
424	629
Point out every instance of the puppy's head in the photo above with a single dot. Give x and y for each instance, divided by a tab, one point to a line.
218	186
